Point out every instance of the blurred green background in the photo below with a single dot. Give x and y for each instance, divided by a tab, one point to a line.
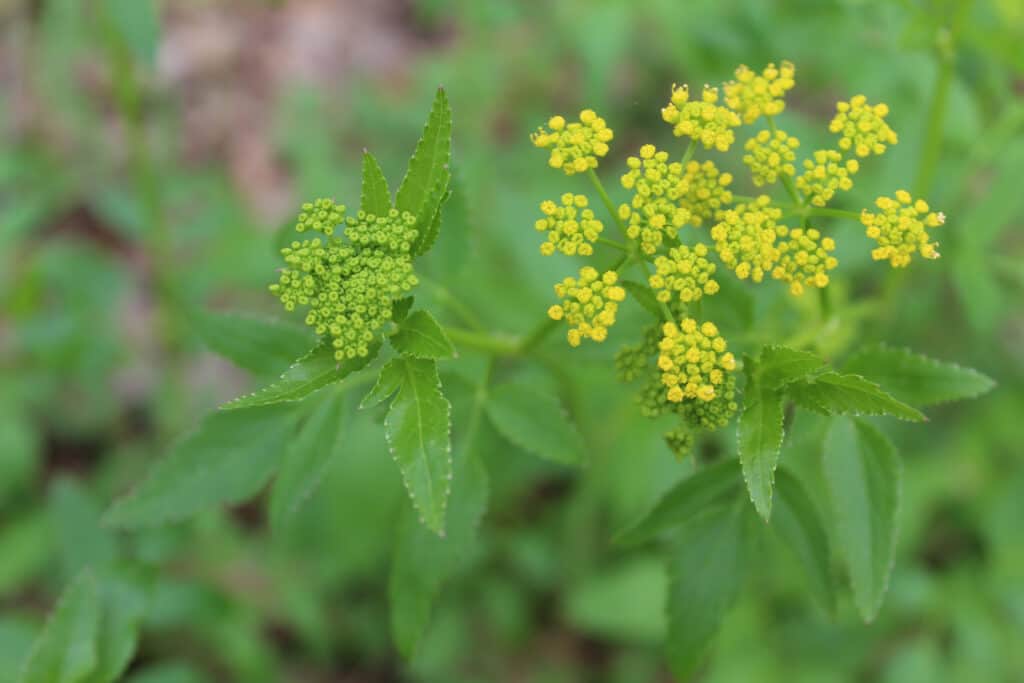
152	150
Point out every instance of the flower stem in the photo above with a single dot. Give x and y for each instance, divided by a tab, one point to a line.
607	201
690	149
480	341
787	182
612	243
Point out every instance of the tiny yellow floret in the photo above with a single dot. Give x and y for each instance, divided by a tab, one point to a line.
901	229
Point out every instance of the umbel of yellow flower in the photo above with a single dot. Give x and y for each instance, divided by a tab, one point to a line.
704	191
826	173
588	304
654	212
685	273
348	288
571	227
705	120
901	229
753	94
745	238
575	147
769	155
805	259
862	127
693	360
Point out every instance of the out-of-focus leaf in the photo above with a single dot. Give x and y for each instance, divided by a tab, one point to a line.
420	336
864	475
625	603
915	378
123	605
643	296
75	517
65	652
833	393
229	458
799	525
262	345
25	548
535	421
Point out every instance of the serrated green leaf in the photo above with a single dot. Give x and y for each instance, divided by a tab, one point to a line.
429	163
759	438
428	225
423	561
706	570
917	379
307	460
400	308
420	336
308	374
780	365
65	652
798	524
709	486
418	432
261	345
229	458
643	296
389	380
376	197
863	474
534	421
833	393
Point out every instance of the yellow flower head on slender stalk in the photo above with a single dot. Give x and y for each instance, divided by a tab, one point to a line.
589	304
704	191
769	155
901	229
571	227
753	94
576	146
693	361
347	287
745	238
685	274
654	212
862	127
825	174
703	120
805	259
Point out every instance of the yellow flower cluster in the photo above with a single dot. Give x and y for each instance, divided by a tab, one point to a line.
753	94
704	191
824	174
693	360
862	127
654	212
588	304
571	227
804	259
348	287
575	147
705	121
685	274
901	229
745	238
770	154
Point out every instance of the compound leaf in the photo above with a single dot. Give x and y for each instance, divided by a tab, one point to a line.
426	180
833	393
916	378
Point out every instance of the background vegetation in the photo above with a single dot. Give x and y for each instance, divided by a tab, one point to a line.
150	154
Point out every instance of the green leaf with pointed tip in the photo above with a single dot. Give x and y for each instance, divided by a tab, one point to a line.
429	163
307	460
534	421
780	365
420	336
389	380
428	225
798	524
123	605
863	475
706	570
229	458
709	486
833	393
916	378
261	345
400	308
65	652
312	372
759	439
643	296
418	429
376	197
423	561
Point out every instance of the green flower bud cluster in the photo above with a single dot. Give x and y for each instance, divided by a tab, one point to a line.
705	121
347	287
901	229
571	227
770	154
862	127
704	191
680	441
713	414
654	212
745	238
685	274
826	173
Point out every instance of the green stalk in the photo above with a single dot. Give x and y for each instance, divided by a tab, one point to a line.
787	182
